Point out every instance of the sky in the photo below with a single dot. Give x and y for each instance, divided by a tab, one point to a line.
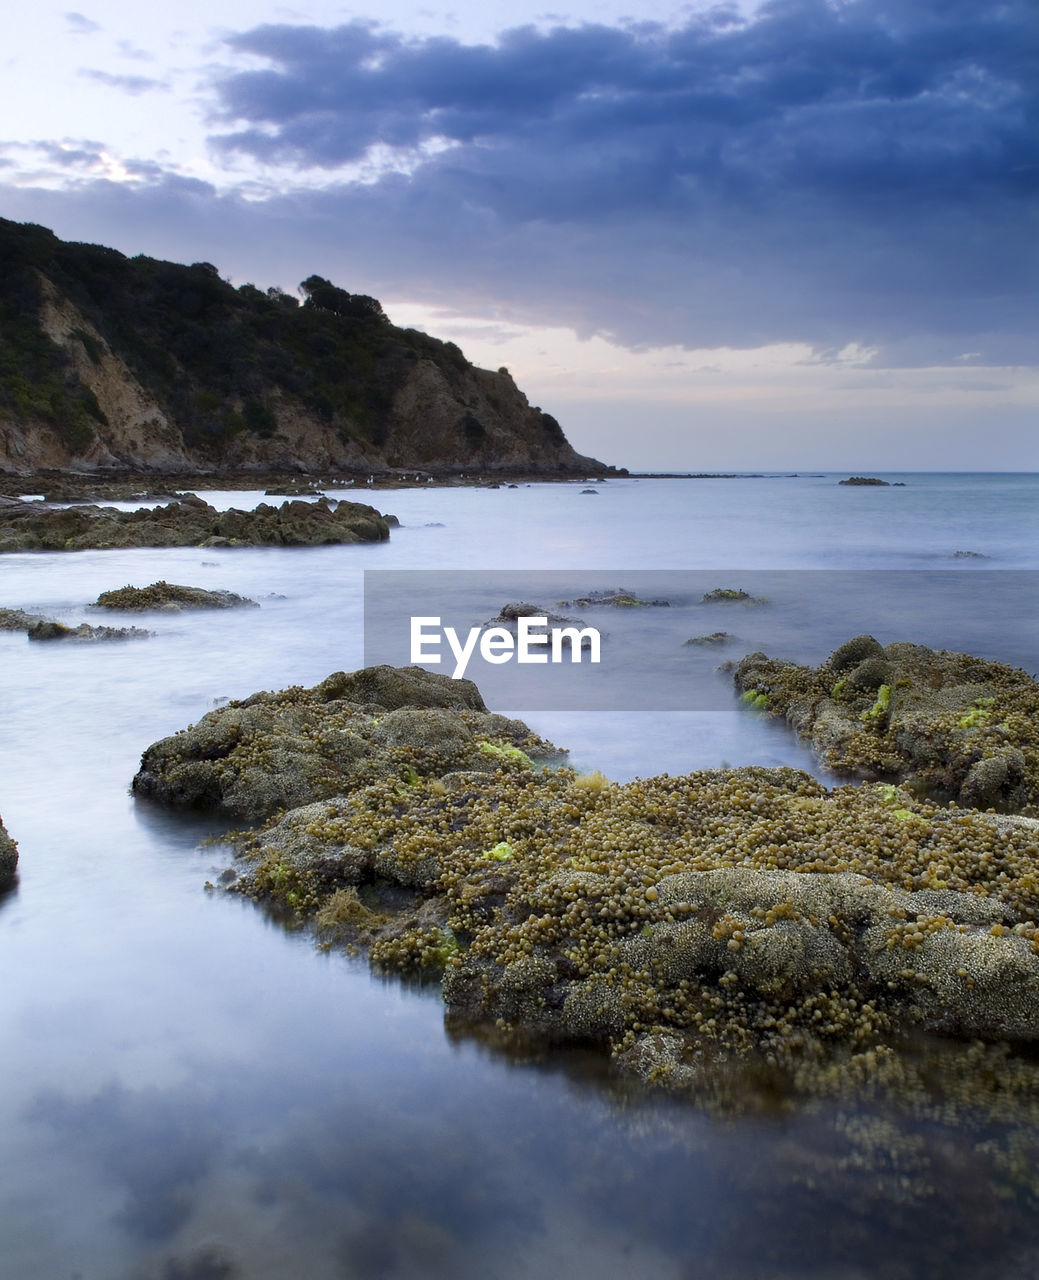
802	234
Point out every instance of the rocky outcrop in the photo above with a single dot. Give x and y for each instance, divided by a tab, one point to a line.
676	921
128	365
8	855
170	598
189	522
948	725
688	925
84	633
18	619
278	750
39	628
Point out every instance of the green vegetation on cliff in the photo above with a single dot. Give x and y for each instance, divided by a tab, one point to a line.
221	362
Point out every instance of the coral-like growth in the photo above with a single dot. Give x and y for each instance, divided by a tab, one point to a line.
948	725
281	750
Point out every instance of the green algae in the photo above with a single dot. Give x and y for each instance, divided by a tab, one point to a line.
503	751
881	706
502	852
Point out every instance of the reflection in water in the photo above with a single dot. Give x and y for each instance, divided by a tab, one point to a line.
245	1181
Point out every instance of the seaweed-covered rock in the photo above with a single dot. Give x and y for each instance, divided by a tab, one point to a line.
189	522
710	641
8	855
280	750
677	921
860	481
731	595
948	725
170	597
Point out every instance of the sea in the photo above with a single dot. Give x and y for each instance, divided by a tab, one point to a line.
189	1091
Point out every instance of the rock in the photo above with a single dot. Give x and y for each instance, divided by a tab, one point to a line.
189	522
8	855
510	613
969	555
728	595
946	724
276	751
711	641
18	619
616	599
864	480
84	633
170	597
677	921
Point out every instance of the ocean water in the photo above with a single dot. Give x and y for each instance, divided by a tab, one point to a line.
187	1090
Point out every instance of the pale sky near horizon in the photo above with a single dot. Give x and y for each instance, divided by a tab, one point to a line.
800	235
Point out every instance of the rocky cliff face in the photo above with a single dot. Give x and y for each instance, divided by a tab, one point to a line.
116	364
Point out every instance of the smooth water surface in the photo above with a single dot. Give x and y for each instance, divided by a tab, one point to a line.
190	1091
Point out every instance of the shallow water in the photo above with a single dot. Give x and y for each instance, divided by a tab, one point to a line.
191	1091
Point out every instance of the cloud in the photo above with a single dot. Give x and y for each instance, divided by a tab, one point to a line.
128	84
860	175
73	166
80	25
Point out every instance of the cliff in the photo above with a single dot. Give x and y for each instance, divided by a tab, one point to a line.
109	363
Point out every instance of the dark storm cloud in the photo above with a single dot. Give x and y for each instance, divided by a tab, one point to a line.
823	173
876	100
819	172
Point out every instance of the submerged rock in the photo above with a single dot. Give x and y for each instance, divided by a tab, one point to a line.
730	595
712	640
510	614
8	855
189	522
84	633
18	619
619	598
38	627
170	597
948	725
275	751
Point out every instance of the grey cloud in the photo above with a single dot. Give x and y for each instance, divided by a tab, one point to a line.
821	174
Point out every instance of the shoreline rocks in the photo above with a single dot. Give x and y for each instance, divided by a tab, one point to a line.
188	522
